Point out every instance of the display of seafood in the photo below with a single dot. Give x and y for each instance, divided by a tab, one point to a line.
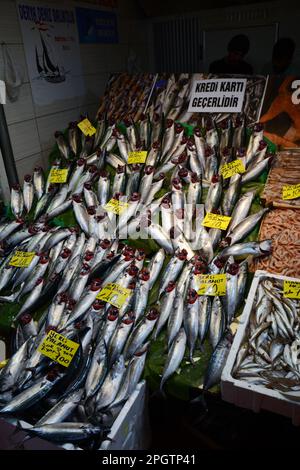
285	171
167	96
282	226
165	200
269	353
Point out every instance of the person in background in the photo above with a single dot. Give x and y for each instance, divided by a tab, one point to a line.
282	58
233	63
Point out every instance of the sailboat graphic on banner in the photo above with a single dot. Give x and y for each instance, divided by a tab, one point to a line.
47	69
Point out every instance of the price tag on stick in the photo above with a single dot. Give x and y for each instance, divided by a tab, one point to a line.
58	348
212	284
116	206
291	289
22	259
216	221
58	175
232	168
137	157
86	127
114	294
291	191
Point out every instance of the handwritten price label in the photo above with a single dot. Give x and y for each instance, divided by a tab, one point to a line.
216	221
137	157
22	259
291	191
115	206
291	289
58	176
86	127
58	348
232	168
114	294
212	284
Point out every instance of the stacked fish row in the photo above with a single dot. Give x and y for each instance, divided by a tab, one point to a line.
269	355
168	95
71	266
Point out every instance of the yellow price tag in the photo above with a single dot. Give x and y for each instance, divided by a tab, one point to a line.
114	294
3	363
291	191
212	284
58	348
22	259
86	127
137	157
58	175
291	289
115	206
216	221
232	168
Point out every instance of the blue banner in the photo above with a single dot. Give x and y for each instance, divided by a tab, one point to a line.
95	26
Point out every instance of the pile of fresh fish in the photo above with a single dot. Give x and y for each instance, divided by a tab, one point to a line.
269	354
146	95
166	202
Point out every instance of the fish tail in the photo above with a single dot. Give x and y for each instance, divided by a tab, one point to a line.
191	357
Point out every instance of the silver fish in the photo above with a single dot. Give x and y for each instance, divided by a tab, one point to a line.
140	333
241	210
38	182
245	249
31	395
63	408
119	338
97	371
217	322
111	385
175	356
28	192
165	307
245	227
191	325
66	432
214	194
16	201
175	319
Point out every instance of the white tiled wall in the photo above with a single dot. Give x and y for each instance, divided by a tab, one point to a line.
32	127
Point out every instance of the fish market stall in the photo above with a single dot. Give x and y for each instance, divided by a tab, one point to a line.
130	258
